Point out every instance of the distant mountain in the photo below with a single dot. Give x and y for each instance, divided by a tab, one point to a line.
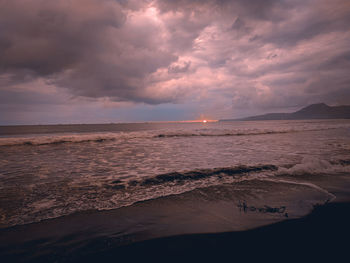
314	111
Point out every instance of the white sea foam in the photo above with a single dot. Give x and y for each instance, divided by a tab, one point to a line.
71	138
313	165
307	184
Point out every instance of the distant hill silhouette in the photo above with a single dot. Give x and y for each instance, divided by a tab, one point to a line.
314	111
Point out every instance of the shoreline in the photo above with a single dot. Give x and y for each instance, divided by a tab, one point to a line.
217	221
322	234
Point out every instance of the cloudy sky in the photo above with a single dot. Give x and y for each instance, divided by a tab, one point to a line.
95	61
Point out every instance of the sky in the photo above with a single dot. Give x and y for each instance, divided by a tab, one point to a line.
101	61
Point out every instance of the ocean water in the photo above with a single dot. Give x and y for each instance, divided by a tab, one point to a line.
48	171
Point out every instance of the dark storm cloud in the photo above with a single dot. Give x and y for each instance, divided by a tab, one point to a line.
256	54
253	7
85	46
47	37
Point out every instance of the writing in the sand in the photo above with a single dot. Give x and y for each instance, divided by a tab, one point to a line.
243	206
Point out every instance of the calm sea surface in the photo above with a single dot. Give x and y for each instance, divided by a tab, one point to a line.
48	171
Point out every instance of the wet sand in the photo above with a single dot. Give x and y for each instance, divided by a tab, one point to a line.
228	221
322	235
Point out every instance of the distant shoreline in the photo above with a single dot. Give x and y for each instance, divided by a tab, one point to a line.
312	112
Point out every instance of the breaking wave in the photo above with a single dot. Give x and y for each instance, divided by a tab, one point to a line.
53	142
125	192
312	165
63	139
237	133
308	166
203	173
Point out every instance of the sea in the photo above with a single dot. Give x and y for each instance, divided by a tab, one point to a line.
50	171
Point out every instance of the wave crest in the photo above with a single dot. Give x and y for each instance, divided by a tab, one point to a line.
220	133
202	173
312	165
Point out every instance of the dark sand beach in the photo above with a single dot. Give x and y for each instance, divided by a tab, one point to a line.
197	225
321	235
